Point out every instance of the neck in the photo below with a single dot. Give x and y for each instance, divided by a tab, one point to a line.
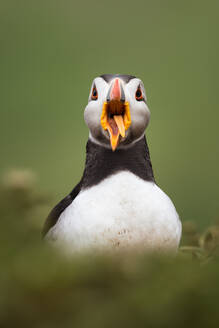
102	162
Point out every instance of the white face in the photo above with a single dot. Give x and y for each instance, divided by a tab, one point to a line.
139	112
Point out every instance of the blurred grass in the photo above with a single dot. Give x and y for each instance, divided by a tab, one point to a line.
51	51
40	287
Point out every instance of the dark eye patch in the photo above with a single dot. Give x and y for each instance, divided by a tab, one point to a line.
139	94
94	95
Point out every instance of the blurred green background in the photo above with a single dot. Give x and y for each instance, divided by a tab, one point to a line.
52	50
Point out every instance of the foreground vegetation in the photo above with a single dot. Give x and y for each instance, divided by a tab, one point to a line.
39	287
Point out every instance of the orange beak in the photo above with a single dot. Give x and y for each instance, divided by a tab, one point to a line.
115	114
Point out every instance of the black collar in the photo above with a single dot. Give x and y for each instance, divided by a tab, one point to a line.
102	162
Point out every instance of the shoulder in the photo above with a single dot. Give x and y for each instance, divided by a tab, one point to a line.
59	208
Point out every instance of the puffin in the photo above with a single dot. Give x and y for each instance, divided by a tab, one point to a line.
117	203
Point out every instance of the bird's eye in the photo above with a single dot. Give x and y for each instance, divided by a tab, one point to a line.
139	95
94	94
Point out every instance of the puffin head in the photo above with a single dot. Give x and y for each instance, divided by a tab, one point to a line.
117	113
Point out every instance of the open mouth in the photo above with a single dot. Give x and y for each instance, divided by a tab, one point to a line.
116	119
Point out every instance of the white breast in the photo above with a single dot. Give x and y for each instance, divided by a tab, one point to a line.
121	211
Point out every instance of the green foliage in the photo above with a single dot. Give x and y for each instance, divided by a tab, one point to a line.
40	287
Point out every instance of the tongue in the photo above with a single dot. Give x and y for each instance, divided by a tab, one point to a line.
120	123
115	127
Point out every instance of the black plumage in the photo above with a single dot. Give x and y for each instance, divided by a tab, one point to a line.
124	77
100	163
